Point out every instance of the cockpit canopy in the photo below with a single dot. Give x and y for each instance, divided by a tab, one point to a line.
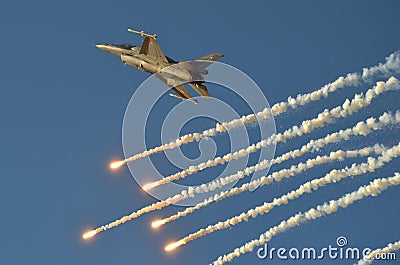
124	46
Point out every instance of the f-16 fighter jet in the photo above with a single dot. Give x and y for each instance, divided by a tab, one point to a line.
150	58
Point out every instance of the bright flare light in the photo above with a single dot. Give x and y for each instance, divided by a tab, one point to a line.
157	223
173	245
89	234
150	185
117	164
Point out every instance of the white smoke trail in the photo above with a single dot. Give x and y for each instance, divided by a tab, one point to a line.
178	197
136	214
373	189
333	176
390	67
362	128
326	117
392	64
391	247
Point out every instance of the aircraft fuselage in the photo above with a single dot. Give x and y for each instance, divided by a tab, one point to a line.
130	55
150	58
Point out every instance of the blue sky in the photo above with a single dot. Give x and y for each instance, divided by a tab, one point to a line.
63	100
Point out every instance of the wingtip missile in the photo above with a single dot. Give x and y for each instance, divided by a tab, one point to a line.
190	99
142	33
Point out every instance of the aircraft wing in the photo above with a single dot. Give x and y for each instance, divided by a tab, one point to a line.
182	93
200	88
151	49
180	89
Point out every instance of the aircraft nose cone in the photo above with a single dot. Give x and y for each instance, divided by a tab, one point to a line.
102	47
113	49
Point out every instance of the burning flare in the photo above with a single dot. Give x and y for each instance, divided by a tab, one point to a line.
157	223
174	245
89	234
117	164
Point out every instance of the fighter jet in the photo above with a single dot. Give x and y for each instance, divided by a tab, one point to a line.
150	58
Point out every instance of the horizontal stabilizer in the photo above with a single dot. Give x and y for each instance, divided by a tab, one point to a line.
210	57
205	61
